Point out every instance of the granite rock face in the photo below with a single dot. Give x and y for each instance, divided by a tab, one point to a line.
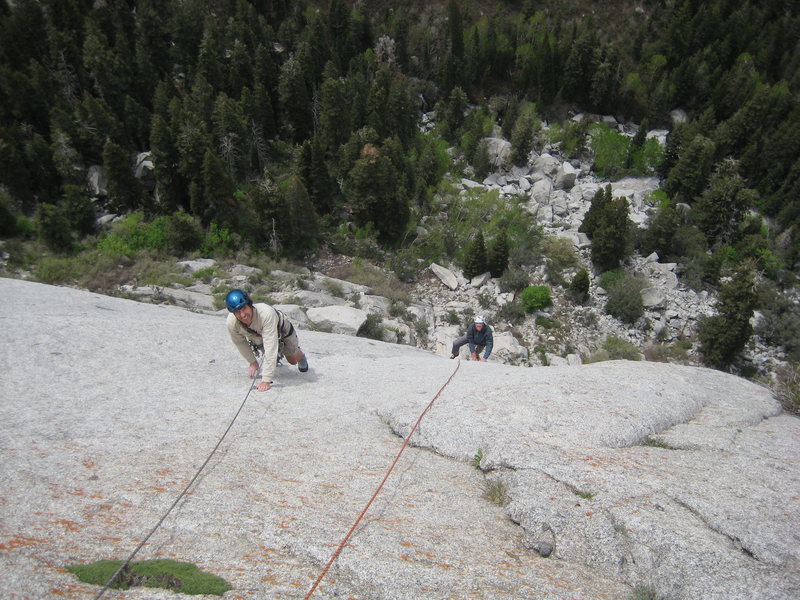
612	474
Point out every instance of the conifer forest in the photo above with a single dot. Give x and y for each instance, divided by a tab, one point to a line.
281	126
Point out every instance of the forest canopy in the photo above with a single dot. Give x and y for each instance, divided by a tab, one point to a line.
283	121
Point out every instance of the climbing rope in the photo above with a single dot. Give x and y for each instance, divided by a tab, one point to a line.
343	543
178	499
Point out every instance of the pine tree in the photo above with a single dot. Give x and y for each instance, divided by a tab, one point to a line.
297	219
723	204
497	256
688	177
591	219
218	204
475	262
375	196
724	336
124	189
610	240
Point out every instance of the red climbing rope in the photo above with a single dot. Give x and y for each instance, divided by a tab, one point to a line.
378	489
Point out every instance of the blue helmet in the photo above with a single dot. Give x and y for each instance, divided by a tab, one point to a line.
236	299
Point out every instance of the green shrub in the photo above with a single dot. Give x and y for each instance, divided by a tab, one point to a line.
58	269
26	228
561	255
668	353
535	297
579	286
54	228
614	348
8	224
452	318
205	274
625	299
371	328
511	312
611	150
787	387
609	279
514	279
619	349
547	323
218	242
18	253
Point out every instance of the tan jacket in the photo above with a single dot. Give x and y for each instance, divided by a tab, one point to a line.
264	331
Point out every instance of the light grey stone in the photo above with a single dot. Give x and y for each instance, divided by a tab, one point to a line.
565	177
375	304
540	191
97	180
712	515
445	275
193	266
480	280
337	319
653	297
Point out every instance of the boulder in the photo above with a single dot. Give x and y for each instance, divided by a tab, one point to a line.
337	319
378	305
507	348
653	297
480	280
445	275
97	180
565	177
540	192
499	150
331	285
547	164
193	266
308	298
578	239
295	313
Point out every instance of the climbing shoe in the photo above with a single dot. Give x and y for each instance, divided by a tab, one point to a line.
453	355
303	364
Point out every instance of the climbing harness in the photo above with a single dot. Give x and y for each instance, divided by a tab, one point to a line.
178	499
343	543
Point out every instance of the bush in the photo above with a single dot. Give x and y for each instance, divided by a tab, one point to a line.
611	150
625	299
614	348
787	387
8	224
535	297
218	241
54	228
619	349
371	328
514	279
561	255
579	286
511	312
26	228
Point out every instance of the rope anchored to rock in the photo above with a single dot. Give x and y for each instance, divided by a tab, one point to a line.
122	567
343	543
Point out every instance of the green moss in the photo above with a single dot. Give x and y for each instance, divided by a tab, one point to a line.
181	577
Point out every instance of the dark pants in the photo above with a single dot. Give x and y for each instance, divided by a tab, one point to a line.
463	340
